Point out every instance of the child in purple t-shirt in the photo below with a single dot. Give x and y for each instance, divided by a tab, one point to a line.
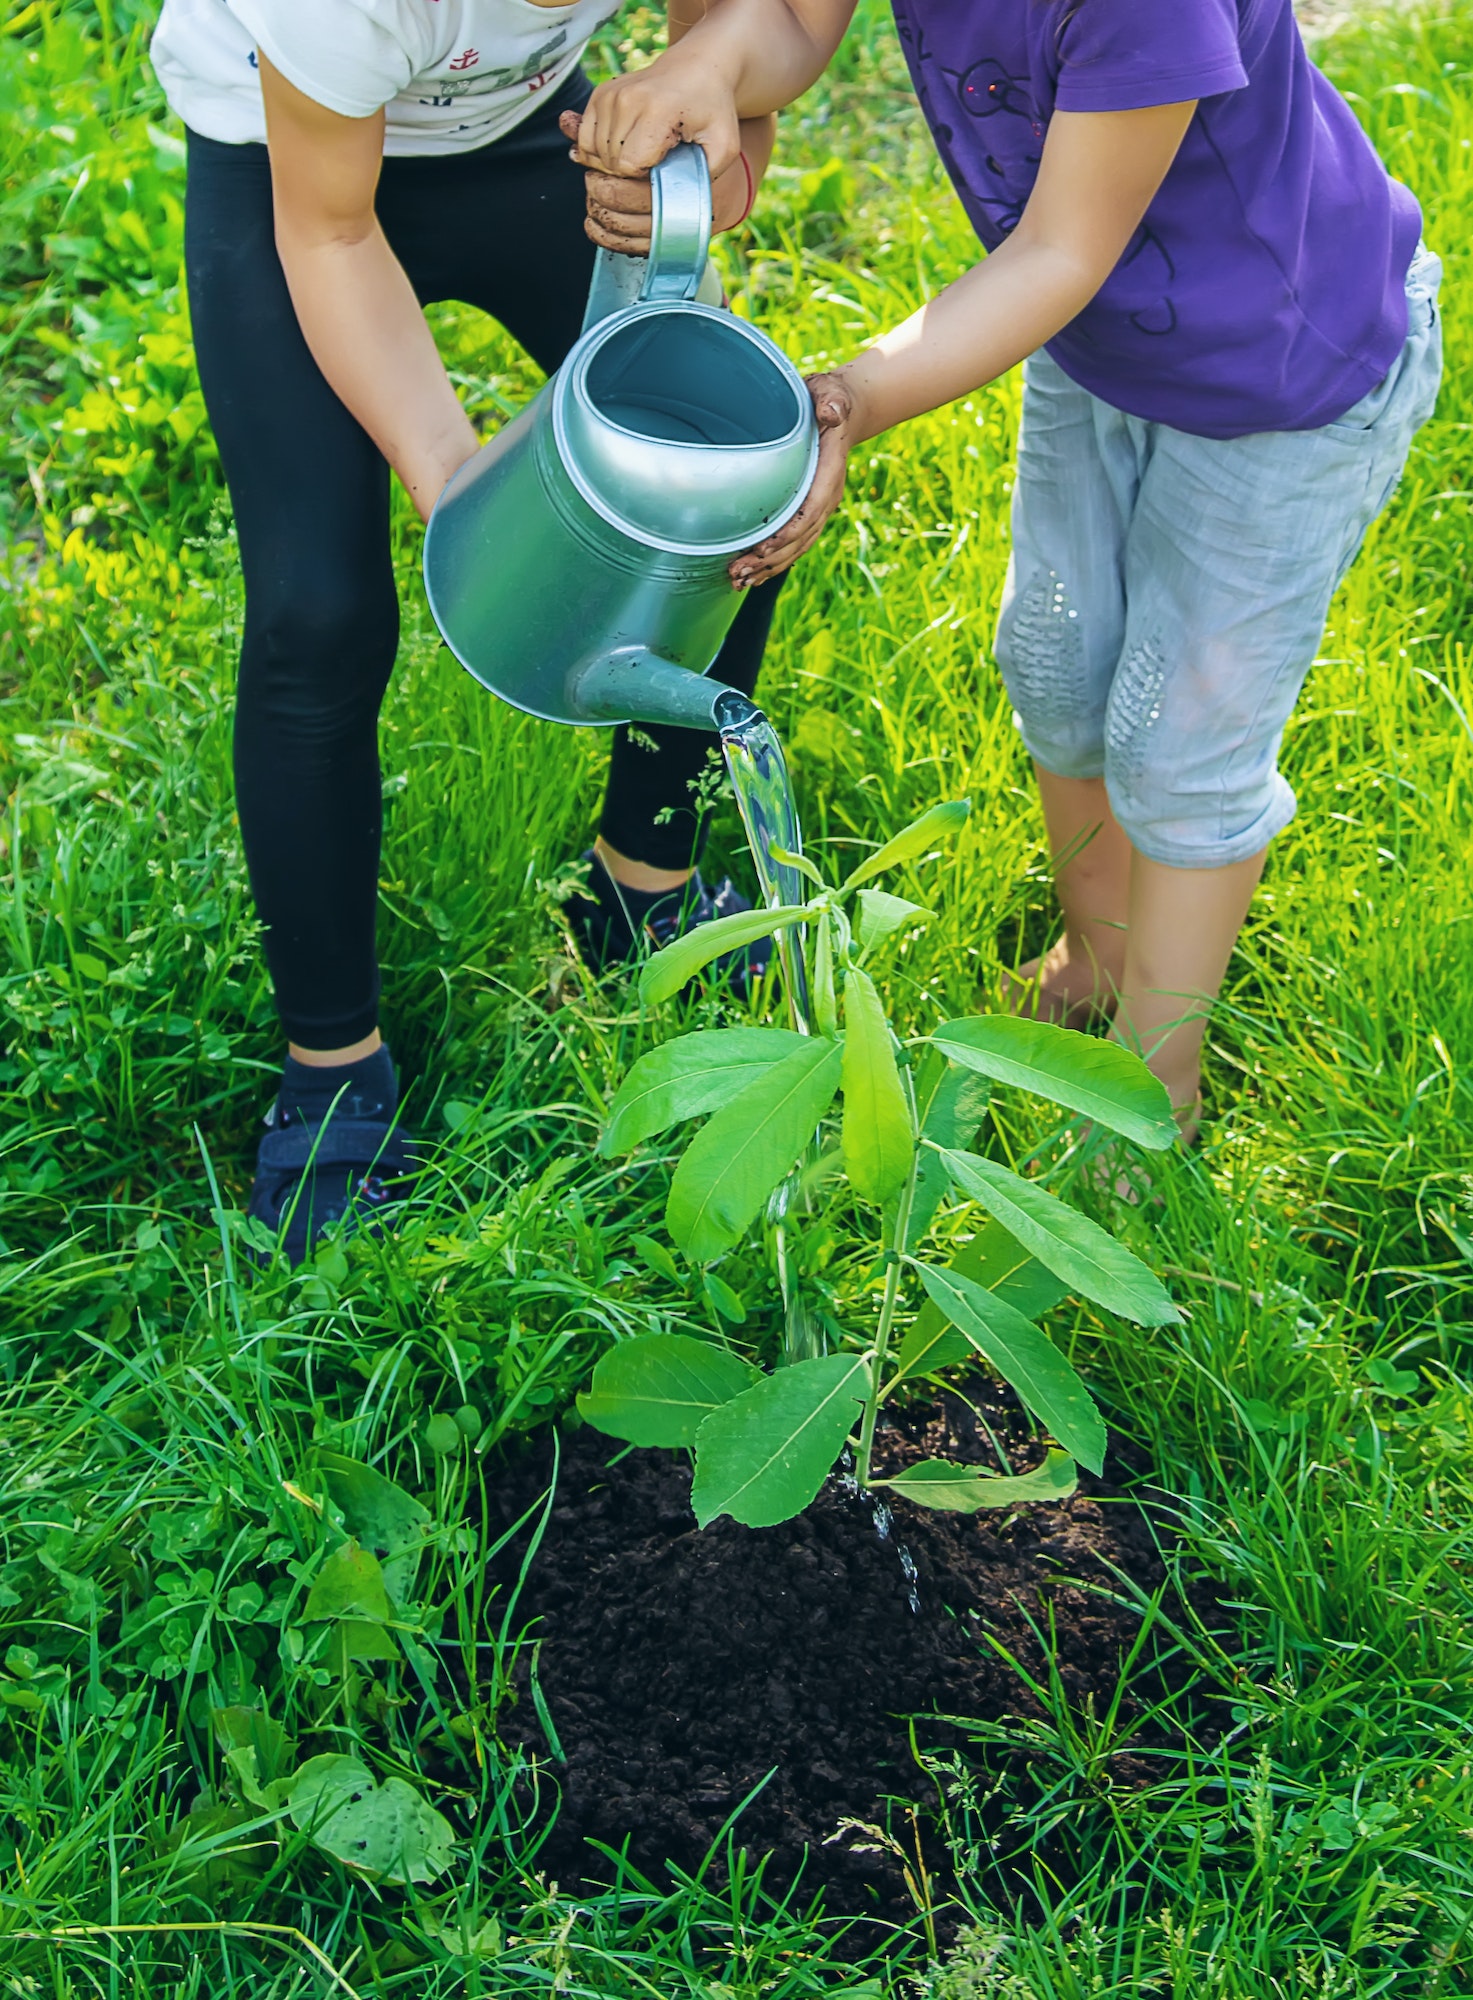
1232	338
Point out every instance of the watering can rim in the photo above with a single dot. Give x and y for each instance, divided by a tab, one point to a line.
570	378
583	356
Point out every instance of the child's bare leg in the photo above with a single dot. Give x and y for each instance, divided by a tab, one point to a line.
1081	974
1183	924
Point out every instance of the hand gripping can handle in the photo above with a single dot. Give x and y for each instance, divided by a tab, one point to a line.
680	238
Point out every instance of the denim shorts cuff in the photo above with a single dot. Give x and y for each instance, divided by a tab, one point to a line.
1221	853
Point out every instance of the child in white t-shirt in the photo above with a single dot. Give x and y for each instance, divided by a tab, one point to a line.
349	162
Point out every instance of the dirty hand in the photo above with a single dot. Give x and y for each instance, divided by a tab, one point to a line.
631	122
835	406
619	205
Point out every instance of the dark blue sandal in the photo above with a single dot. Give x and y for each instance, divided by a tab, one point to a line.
311	1174
613	925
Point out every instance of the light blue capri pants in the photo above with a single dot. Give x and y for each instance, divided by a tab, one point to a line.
1167	593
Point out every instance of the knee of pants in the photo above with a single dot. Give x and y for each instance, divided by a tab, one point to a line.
1042	652
317	659
1188	792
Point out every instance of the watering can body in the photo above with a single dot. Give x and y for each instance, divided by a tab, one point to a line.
577	564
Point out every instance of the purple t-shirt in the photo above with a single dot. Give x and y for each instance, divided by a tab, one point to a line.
1265	290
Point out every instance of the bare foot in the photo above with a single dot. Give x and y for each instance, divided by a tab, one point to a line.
1070	992
1112	1167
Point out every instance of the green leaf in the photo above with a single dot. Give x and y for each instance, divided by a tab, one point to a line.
997	1260
350	1584
657	1257
1086	1257
243	1602
739	1156
1026	1359
999	1263
763	1456
881	916
387	1831
799	861
825	1001
951	1102
380	1515
912	841
728	1302
360	1639
929	1348
688	1077
667	971
253	1729
1395	1381
259	1752
183	1531
879	1146
1099	1079
483	1942
442	1435
655	1390
962	1489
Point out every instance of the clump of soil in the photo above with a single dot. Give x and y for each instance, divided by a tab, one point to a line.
681	1667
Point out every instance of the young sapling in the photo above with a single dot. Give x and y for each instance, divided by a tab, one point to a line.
764	1442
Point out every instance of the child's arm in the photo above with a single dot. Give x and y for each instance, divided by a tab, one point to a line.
357	309
1099	173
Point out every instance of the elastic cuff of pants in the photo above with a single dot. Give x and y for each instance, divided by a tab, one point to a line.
340	1033
674	846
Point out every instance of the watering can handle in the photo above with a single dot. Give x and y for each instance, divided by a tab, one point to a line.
680	228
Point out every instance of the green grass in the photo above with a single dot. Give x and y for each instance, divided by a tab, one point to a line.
160	1415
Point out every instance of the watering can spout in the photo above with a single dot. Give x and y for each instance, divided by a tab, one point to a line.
633	684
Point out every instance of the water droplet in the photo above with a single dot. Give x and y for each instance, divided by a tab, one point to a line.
912	1577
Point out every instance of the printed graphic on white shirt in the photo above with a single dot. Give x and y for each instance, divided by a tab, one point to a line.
449	74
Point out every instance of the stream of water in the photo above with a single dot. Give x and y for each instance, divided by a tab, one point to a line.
764	796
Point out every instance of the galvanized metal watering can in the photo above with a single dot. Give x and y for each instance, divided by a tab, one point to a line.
577	564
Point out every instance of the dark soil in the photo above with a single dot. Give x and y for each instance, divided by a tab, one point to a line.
681	1667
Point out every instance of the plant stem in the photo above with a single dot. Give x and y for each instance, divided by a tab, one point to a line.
895	1248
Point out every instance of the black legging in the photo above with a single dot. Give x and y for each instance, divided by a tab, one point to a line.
500	228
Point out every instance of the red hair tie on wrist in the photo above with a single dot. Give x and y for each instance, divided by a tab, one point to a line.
751	191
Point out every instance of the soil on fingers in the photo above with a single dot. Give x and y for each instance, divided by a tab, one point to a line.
685	1669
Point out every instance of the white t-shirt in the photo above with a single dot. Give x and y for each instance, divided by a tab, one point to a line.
452	74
